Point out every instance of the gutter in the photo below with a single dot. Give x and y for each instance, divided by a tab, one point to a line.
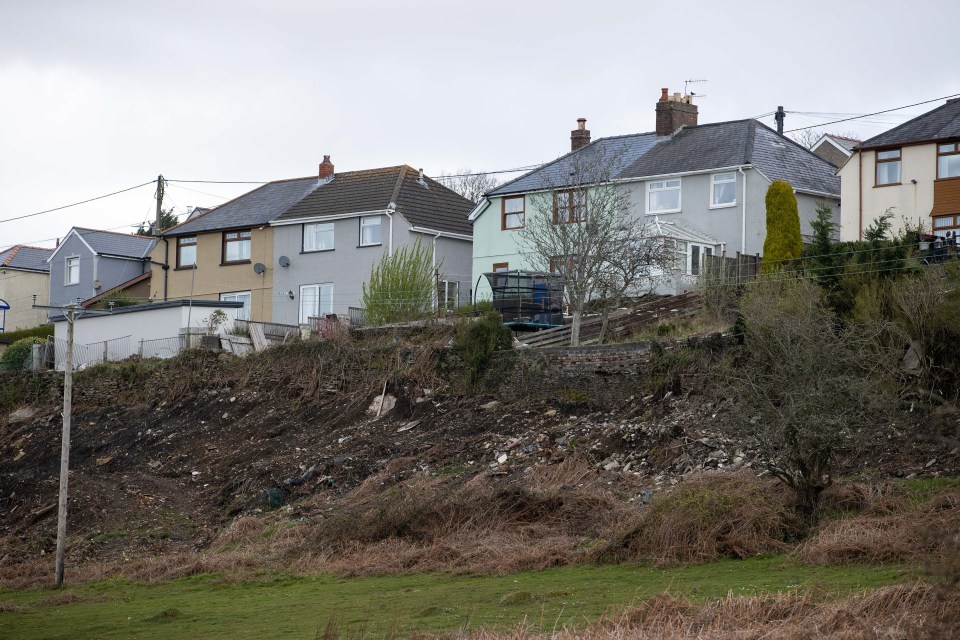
166	266
442	234
339	216
389	213
678	174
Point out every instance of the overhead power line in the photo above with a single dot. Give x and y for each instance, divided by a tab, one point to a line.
867	115
74	204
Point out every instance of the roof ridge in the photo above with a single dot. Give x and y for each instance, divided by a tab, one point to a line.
116	233
833	135
13	254
396	187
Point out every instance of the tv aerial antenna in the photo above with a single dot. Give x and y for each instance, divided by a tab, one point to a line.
686	87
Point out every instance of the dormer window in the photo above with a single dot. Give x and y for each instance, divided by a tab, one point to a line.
888	167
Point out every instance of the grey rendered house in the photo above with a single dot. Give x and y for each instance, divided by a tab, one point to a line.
89	262
326	245
701	187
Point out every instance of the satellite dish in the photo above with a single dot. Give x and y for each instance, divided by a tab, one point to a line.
284	261
259	268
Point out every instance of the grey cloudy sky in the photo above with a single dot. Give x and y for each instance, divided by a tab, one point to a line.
98	96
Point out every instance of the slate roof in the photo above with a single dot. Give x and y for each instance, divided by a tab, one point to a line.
620	151
254	208
117	244
429	205
699	148
940	124
26	258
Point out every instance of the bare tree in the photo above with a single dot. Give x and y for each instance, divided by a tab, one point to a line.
809	137
471	185
579	225
807	387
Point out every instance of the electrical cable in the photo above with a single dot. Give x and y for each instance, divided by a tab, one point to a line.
74	204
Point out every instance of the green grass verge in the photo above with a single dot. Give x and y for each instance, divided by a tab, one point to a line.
208	606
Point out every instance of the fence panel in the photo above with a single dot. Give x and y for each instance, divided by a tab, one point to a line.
162	347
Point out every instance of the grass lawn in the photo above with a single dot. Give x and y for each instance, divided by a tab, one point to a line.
271	606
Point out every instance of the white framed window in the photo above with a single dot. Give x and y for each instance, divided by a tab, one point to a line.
243	313
723	190
451	294
888	167
316	300
71	270
695	255
369	231
663	196
318	237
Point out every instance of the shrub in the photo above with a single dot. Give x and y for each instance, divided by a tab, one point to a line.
17	355
401	287
783	242
475	342
43	331
117	300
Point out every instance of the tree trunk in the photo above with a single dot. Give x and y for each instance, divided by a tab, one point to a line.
575	328
604	323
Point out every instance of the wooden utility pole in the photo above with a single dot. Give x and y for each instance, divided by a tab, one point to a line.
156	225
70	313
65	447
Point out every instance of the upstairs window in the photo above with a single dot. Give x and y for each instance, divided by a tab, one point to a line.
569	206
948	160
723	190
186	252
72	270
888	167
317	237
369	231
236	246
513	213
663	196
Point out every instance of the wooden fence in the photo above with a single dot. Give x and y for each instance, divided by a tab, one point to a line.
730	270
621	322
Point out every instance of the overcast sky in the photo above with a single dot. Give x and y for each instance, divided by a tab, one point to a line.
99	96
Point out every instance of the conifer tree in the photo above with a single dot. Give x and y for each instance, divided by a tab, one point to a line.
783	242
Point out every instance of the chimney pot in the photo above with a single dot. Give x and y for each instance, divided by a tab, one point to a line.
663	95
579	137
326	168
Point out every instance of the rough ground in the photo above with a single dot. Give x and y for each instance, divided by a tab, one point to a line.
167	456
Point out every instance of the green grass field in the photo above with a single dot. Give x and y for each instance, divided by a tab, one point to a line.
271	606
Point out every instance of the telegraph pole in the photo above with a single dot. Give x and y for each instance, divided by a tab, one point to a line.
779	116
156	225
70	313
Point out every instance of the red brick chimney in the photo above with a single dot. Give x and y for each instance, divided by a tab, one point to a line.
580	137
326	168
674	112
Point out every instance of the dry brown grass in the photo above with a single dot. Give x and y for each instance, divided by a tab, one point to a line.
906	611
891	529
718	515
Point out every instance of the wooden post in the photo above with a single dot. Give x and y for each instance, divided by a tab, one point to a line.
65	449
106	350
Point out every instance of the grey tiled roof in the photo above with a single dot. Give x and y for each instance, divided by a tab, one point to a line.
940	124
846	143
700	148
432	205
620	151
254	208
27	258
117	244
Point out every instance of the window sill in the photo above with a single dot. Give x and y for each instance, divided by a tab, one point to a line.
235	262
510	228
190	268
950	179
364	246
318	251
723	206
892	184
659	213
71	284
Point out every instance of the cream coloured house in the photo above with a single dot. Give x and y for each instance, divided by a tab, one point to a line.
24	273
912	171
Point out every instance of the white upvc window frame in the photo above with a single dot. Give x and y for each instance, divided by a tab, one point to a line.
662	186
318	311
702	250
714	182
311	231
67	281
246	297
369	222
451	294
